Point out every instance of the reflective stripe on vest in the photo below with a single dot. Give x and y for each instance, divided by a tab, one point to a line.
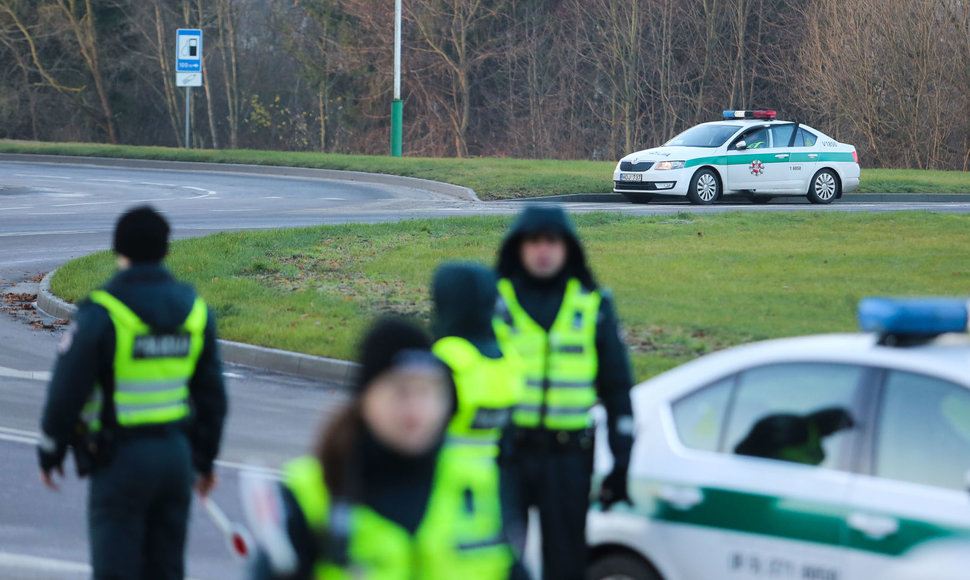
560	365
460	535
151	370
488	391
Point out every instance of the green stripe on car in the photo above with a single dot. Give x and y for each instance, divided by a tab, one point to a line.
794	519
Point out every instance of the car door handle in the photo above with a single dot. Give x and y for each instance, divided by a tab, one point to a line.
812	155
873	527
781	156
682	498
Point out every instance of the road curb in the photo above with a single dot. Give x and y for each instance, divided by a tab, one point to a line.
451	190
272	359
848	198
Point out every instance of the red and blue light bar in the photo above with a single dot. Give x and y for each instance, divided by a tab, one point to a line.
764	115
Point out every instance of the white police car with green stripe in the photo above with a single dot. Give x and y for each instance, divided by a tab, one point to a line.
835	457
749	153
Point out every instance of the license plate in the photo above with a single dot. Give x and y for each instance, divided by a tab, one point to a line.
631	177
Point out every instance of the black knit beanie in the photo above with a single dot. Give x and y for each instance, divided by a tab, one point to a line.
388	343
141	235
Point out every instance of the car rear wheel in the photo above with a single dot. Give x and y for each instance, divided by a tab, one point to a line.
824	188
621	567
705	187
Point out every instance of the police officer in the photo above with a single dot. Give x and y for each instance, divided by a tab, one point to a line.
488	381
382	495
137	391
564	328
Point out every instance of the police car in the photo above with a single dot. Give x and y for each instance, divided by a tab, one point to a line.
748	153
833	457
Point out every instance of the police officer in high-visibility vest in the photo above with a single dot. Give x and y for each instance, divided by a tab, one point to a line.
489	382
137	392
564	328
382	496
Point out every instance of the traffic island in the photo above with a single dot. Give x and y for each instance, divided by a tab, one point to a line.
684	284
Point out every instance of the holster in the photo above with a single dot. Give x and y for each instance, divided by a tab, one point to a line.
91	449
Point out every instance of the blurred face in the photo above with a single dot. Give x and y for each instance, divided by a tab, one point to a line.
407	409
543	256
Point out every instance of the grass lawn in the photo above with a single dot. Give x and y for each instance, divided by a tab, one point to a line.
684	285
491	178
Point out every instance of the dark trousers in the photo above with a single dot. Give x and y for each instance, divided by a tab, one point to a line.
138	508
557	482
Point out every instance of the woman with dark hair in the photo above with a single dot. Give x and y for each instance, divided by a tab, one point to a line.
382	496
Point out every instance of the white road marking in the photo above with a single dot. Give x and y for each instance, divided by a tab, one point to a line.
205	192
89	203
233	375
28	375
32	437
41	175
157	184
272	197
331	199
110	180
24	562
16	207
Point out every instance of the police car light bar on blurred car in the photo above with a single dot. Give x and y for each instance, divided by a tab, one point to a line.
766	115
916	317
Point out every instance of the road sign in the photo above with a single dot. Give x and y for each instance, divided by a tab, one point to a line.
188	51
188	79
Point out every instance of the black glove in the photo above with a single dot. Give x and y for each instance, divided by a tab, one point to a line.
613	489
51	457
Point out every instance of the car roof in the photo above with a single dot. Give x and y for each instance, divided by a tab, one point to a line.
753	122
946	357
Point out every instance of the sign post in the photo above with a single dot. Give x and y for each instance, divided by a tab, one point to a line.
397	107
188	69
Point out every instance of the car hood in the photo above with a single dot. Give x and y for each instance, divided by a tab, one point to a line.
669	154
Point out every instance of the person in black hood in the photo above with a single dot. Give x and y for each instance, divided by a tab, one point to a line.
137	391
563	326
382	494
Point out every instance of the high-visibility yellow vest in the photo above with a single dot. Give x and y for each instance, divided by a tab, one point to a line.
151	370
460	536
560	365
488	391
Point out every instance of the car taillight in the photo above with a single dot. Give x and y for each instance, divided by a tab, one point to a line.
855	157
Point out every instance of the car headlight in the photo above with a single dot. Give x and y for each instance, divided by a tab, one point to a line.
669	165
617	168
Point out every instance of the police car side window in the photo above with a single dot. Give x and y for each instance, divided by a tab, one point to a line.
781	135
699	416
797	412
805	139
924	431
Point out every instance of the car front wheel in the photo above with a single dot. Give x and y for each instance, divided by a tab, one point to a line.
704	187
824	187
621	567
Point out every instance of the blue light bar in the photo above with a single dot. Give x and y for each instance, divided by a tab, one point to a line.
913	316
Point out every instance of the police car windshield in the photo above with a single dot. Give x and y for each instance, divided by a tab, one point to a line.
704	136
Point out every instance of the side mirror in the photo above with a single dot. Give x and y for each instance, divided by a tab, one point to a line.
741	145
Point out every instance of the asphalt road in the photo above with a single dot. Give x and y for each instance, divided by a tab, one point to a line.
50	213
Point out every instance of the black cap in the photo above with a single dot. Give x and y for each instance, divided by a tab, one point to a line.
141	235
391	342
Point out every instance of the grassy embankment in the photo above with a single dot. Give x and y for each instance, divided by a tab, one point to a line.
685	285
491	178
